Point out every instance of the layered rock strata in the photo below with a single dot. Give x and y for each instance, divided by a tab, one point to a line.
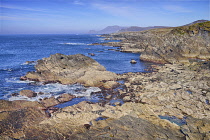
176	90
70	69
167	45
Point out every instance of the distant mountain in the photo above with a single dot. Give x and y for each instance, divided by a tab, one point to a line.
136	28
115	28
197	21
107	30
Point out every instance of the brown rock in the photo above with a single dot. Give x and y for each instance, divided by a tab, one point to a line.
168	45
65	97
28	93
108	97
18	104
70	69
133	61
48	102
110	84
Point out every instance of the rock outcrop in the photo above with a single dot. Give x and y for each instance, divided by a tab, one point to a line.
17	116
167	45
177	91
70	69
28	93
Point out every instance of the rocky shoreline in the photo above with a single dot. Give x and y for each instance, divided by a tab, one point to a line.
172	102
166	45
176	90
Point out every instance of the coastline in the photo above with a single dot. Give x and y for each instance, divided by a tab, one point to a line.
174	90
169	103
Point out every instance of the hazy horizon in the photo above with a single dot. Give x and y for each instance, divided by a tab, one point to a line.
80	16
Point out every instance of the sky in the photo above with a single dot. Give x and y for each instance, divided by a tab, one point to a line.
80	16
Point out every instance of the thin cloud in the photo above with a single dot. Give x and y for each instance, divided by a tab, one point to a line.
114	10
176	9
77	2
16	18
21	8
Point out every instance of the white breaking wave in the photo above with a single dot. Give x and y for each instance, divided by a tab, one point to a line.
9	69
69	43
16	80
29	63
56	89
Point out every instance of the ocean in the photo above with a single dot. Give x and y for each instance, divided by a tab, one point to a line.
15	50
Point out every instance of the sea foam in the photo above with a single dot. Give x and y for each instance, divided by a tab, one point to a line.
55	90
71	43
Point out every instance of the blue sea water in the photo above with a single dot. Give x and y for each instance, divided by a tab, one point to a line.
15	50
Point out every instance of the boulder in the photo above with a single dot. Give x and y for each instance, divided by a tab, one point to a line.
110	84
28	93
70	69
133	61
48	102
91	54
29	62
65	97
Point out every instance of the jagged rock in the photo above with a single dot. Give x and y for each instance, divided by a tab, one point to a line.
174	90
28	93
70	69
29	62
17	105
48	102
65	97
133	61
108	97
167	45
91	54
17	116
110	84
126	99
196	129
117	103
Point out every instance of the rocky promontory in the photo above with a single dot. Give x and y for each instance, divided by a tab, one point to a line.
71	69
167	45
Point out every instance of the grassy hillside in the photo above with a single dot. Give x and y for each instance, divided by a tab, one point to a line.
192	29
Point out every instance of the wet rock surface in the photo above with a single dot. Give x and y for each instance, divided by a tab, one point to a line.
52	101
174	90
177	90
70	69
28	93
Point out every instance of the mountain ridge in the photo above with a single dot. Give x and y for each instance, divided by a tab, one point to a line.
167	45
116	28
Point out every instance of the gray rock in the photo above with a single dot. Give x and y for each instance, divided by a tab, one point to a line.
28	93
70	69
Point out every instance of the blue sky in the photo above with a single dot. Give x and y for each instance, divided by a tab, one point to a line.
80	16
